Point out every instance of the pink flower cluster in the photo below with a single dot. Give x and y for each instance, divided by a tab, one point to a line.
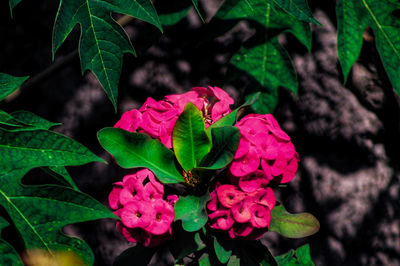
242	212
145	216
157	118
263	143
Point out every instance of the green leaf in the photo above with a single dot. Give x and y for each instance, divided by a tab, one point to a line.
292	225
231	118
132	150
138	254
175	11
8	255
266	102
192	211
185	243
205	260
196	7
60	174
12	4
234	260
297	8
33	120
262	59
9	84
35	212
353	17
103	42
189	138
225	143
223	249
301	257
29	149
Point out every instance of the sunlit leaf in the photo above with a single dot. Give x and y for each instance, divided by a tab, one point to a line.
191	210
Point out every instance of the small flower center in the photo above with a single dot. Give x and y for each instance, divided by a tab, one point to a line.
158	216
138	214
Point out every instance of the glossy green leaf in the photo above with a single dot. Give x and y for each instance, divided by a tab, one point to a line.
225	143
185	243
297	8
131	150
266	102
192	211
35	212
8	255
230	119
299	257
189	138
103	42
28	149
353	17
9	84
223	249
61	175
292	225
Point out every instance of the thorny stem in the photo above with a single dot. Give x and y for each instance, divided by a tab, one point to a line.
59	64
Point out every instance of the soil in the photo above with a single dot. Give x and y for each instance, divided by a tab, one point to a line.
346	134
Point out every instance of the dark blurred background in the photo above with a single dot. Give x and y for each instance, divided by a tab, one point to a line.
347	136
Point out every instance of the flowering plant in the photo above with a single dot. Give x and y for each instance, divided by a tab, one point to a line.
195	163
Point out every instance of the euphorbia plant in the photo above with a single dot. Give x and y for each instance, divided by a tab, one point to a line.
229	170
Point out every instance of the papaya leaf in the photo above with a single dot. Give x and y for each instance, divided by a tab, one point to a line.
132	150
103	42
191	210
262	59
292	225
353	16
9	84
60	174
36	148
35	212
175	11
8	255
225	143
196	7
33	120
297	8
189	138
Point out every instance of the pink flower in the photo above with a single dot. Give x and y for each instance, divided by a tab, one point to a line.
241	211
162	218
264	143
221	219
260	216
113	198
158	118
228	195
137	214
133	190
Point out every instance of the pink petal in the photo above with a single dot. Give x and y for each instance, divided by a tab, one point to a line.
261	216
221	219
172	199
221	95
212	203
130	120
229	195
287	150
268	147
241	211
163	216
245	165
137	214
290	170
242	149
253	181
113	198
150	193
242	230
133	190
265	197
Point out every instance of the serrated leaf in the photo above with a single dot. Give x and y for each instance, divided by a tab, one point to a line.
196	7
8	255
297	8
191	210
103	42
225	143
29	149
61	175
292	225
35	212
353	17
131	150
189	138
174	12
9	84
263	59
